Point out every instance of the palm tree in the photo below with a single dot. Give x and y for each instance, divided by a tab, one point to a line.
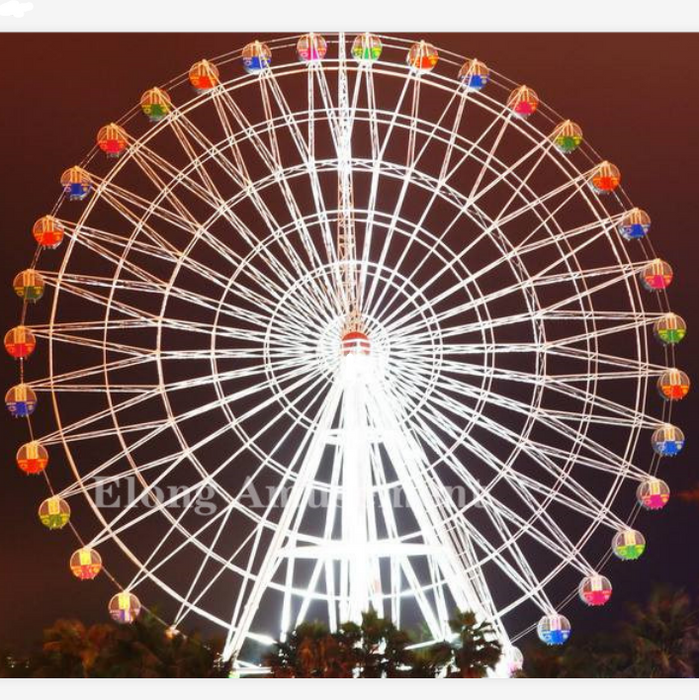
662	638
376	648
544	662
309	651
190	657
397	659
349	653
373	649
375	632
430	662
74	648
138	650
381	648
392	645
476	650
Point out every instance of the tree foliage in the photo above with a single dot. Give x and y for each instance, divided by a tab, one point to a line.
70	649
377	649
658	639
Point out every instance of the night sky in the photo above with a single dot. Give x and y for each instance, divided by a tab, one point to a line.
634	95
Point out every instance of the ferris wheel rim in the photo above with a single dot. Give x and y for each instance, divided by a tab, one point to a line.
631	282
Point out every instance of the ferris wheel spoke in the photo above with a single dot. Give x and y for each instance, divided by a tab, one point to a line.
610	277
581	502
603	225
542	145
445	175
189	601
570	189
183	126
97	480
239	171
546	457
269	87
521	573
58	336
227	108
189	494
438	187
542	148
600	366
606	366
568	346
212	197
490	155
613	463
552	420
496	223
115	248
150	567
177	257
539	525
66	433
490	228
634	322
412	160
491	550
192	598
72	432
340	120
67	332
517	569
106	245
630	321
444	407
57	438
624	414
268	291
244	572
122	200
269	84
82	285
379	150
272	159
422	375
153	565
63	383
624	271
294	380
157	428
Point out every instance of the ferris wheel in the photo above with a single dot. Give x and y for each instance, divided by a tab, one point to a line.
340	323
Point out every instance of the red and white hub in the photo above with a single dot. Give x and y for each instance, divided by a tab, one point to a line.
356	343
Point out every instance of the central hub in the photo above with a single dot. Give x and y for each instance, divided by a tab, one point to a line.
355	343
310	338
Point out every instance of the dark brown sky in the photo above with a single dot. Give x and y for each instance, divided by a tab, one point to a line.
634	95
